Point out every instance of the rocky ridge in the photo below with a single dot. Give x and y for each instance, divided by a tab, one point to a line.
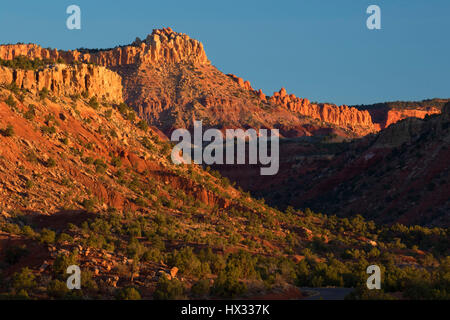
169	69
344	116
62	79
162	46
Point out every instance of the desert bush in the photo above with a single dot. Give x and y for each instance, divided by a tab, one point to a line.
62	262
169	289
50	163
116	161
131	116
8	131
143	125
129	293
10	101
25	279
31	112
227	285
23	62
29	232
201	288
100	166
48	130
89	204
186	260
47	236
93	103
57	289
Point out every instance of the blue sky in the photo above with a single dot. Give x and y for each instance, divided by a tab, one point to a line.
320	50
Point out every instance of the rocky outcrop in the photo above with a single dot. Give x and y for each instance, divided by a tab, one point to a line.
339	115
162	46
393	116
168	70
62	79
343	116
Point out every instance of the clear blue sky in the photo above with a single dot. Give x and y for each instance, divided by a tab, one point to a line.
321	50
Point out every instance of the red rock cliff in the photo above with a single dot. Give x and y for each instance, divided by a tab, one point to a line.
343	116
162	46
62	79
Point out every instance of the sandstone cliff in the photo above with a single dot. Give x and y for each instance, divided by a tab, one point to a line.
62	79
344	116
393	116
168	79
162	46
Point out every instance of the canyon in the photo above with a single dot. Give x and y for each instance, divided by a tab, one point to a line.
86	178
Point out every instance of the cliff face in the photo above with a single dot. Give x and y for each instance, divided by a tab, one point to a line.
162	46
169	80
338	115
62	79
393	116
359	121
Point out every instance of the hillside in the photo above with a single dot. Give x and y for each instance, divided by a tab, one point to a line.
400	174
84	181
86	178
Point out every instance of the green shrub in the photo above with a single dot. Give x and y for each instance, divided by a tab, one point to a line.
48	130
108	113
123	109
135	249
169	289
89	204
152	255
143	125
57	289
201	288
9	131
23	62
29	184
50	163
93	103
31	113
24	279
64	237
116	161
47	236
100	166
129	293
10	101
43	93
227	285
186	260
131	116
62	262
88	160
29	232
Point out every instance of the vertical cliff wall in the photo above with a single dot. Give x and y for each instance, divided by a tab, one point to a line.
62	79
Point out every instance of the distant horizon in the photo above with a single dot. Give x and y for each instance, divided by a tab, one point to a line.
320	51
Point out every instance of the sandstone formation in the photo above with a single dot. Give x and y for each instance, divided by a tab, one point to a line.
162	46
168	79
62	79
344	116
339	115
394	116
